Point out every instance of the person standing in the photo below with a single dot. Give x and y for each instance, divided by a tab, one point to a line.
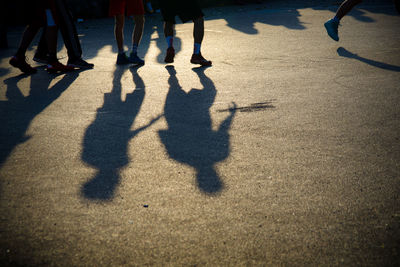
332	25
119	9
39	13
186	10
70	36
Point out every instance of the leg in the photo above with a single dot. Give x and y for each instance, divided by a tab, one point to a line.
168	29
119	32
68	31
18	61
198	34
42	50
169	36
136	37
51	36
346	7
332	25
27	37
198	30
138	29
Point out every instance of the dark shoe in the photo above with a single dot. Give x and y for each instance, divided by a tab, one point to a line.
56	66
122	59
22	65
80	64
331	27
199	59
169	58
134	59
41	58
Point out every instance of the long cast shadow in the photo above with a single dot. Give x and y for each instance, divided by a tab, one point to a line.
106	140
190	138
345	53
17	113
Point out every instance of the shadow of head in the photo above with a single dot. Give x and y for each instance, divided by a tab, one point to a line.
208	180
102	186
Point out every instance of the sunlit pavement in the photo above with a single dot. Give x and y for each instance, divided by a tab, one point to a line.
284	152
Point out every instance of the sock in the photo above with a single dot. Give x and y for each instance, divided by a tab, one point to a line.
196	49
134	48
170	40
336	19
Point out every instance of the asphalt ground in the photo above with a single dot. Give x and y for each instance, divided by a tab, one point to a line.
285	152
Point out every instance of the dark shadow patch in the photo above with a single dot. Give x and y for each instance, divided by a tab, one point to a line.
190	138
345	53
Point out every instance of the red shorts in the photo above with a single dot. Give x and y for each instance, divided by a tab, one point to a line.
126	7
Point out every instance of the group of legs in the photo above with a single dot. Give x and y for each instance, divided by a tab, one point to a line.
51	15
186	10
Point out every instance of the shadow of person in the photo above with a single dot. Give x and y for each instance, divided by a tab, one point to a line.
289	19
190	138
105	142
17	113
345	53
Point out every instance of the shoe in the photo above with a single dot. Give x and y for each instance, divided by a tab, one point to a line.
169	58
80	63
134	59
41	58
21	64
122	59
199	59
56	66
331	27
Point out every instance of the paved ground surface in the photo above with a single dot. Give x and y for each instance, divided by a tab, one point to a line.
285	152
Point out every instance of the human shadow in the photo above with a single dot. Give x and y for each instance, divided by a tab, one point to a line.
360	12
190	138
345	53
18	111
289	18
105	144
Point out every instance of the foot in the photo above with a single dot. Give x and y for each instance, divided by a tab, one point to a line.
134	59
169	58
41	58
331	27
21	64
56	66
122	59
80	64
199	59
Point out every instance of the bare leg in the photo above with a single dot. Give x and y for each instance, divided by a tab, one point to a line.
119	31
138	29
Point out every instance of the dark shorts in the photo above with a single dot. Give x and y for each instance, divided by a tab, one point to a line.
185	9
